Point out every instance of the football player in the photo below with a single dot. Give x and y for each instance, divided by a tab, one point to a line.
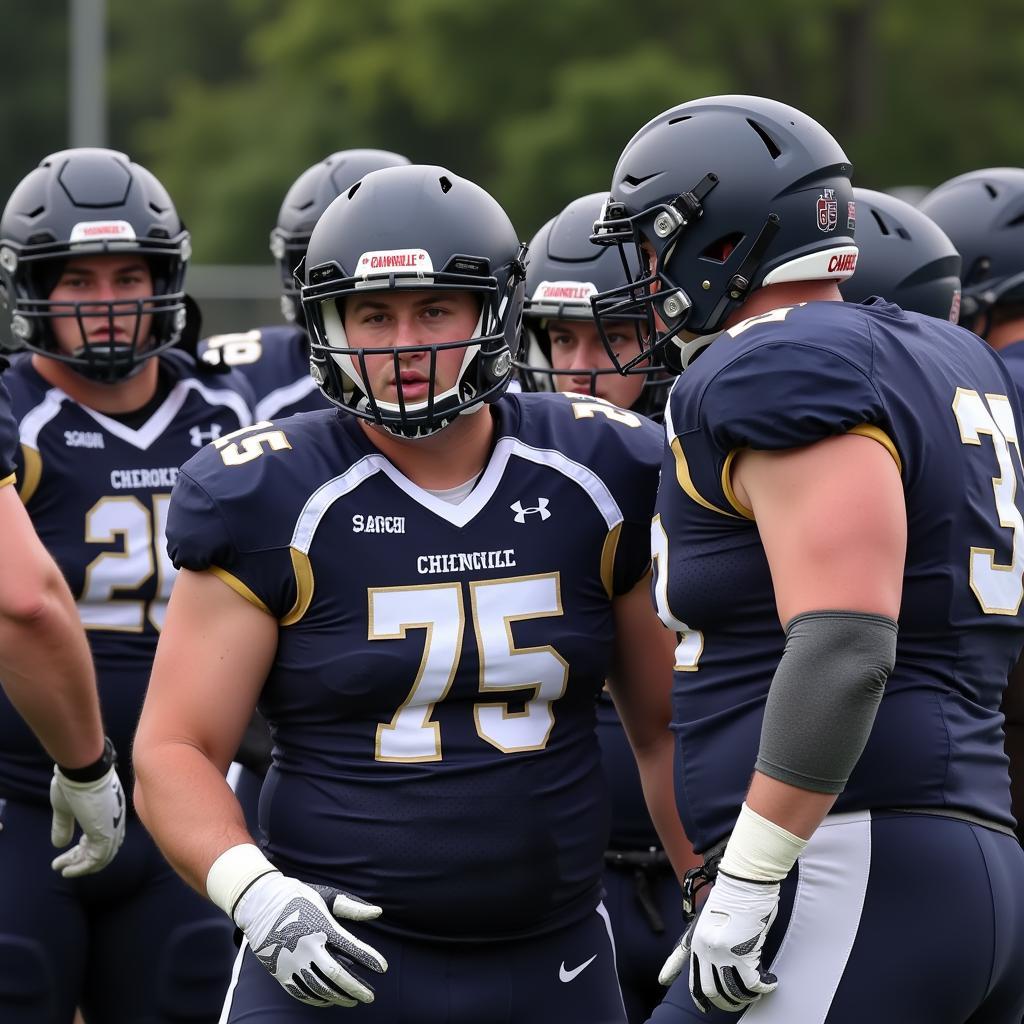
564	352
904	257
833	468
92	261
275	360
425	590
983	213
47	673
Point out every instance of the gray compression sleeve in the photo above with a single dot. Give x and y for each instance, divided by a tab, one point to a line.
824	696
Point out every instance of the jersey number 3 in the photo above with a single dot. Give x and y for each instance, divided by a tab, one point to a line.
998	588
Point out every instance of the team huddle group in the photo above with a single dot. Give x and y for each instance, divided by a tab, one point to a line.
606	630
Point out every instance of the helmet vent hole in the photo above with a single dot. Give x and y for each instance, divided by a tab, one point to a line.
157	209
446	184
35	213
1017	221
306	205
769	142
679	120
354	189
990	189
903	233
719	251
882	226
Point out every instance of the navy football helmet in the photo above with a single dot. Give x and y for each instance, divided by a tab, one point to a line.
415	227
81	202
304	203
905	257
731	193
983	214
564	271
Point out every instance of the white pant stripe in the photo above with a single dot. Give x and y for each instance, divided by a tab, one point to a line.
611	942
826	914
235	971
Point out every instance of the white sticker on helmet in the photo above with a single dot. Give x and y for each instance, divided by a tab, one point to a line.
102	231
835	264
560	292
394	261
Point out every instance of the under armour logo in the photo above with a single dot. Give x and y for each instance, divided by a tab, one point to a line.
201	437
541	509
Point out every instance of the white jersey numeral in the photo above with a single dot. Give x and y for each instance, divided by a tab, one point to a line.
142	536
496	605
998	588
412	735
691	641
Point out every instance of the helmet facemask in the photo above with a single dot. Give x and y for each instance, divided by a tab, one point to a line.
110	359
343	373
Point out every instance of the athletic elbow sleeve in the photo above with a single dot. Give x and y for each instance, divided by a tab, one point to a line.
824	696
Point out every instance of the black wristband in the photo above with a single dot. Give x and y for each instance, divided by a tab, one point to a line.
96	770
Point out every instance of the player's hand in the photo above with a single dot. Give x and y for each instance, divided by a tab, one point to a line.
724	945
98	807
292	928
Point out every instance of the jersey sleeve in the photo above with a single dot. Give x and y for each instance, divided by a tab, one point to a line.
8	437
221	525
784	395
771	396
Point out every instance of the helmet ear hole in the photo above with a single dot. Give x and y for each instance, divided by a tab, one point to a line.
721	249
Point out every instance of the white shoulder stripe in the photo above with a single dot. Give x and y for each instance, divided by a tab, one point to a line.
595	488
270	405
226	397
157	424
670	430
327	494
35	419
458	515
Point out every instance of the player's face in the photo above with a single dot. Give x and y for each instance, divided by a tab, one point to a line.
401	321
576	345
92	282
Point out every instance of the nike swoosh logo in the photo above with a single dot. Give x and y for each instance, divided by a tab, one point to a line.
566	976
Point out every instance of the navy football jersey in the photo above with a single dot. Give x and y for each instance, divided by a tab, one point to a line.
98	493
432	697
8	436
275	362
945	407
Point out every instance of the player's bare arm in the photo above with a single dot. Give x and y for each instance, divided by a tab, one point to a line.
832	520
641	687
212	659
44	659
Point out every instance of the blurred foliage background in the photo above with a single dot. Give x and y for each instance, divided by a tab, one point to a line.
228	101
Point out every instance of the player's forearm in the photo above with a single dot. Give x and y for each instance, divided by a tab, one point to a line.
187	806
47	673
799	811
655	763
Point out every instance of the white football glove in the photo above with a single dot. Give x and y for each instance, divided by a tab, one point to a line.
292	929
98	807
724	945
